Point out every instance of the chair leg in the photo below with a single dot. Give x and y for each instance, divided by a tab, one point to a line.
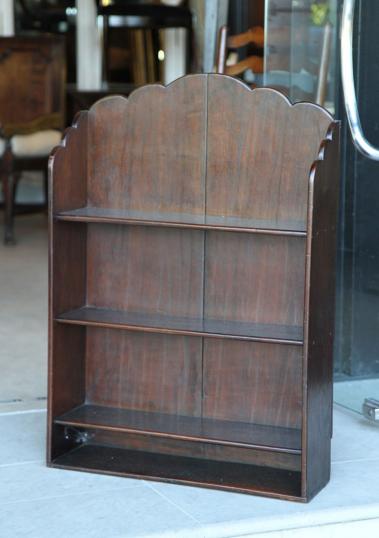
8	193
46	186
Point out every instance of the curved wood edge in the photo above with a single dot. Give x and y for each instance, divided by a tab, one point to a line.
330	138
319	314
71	157
67	135
151	88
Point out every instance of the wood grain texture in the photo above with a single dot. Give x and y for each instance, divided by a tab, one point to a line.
90	316
270	482
67	277
32	83
152	138
141	269
191	298
68	168
180	220
253	383
156	373
200	449
176	426
255	279
254	167
319	320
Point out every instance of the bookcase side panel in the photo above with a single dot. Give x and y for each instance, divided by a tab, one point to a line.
67	277
260	149
68	168
321	290
147	152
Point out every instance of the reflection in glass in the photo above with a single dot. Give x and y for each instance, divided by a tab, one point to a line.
297	34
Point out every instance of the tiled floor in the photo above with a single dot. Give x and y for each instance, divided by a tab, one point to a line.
23	315
39	502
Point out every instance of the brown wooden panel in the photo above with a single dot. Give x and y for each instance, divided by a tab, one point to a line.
148	372
207	451
68	262
145	269
230	476
254	383
32	78
257	279
178	220
184	427
319	325
260	149
67	276
68	168
152	139
68	383
137	321
66	380
197	161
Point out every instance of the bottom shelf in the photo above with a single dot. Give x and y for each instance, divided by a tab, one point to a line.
224	432
266	481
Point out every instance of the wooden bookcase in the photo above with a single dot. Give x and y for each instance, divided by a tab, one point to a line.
192	248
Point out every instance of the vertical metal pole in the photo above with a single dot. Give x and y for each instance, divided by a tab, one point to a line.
7	18
89	47
210	15
175	53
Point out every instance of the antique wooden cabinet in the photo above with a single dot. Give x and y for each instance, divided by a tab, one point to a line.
192	247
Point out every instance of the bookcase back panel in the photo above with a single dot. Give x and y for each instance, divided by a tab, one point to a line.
145	269
145	372
200	450
257	383
138	148
255	168
254	278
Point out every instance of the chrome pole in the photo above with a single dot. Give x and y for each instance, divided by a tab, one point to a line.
347	73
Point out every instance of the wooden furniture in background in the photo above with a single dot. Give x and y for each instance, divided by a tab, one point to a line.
254	62
144	20
192	254
32	96
77	100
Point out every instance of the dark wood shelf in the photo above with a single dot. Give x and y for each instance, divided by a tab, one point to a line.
136	321
192	263
276	483
183	220
221	432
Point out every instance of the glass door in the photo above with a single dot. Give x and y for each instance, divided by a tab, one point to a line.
300	49
302	58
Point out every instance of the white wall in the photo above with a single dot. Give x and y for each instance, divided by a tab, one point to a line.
6	17
89	51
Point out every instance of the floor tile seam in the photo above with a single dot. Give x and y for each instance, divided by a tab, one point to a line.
212	530
167	499
18	463
74	494
22	412
359	460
